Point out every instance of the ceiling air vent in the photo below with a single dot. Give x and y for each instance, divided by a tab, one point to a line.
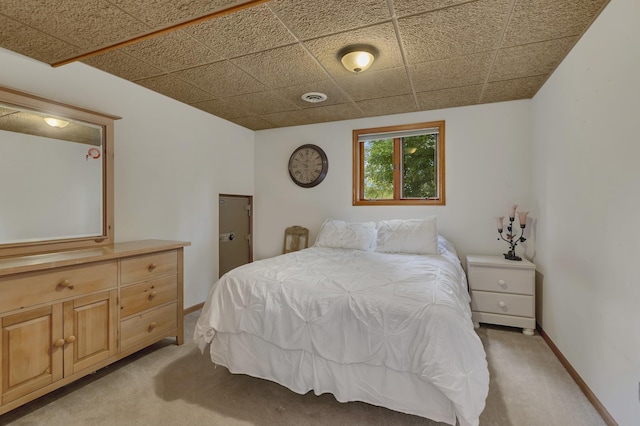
314	97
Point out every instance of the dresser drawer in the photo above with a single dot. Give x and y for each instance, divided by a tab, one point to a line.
149	325
501	280
146	295
33	288
502	303
148	266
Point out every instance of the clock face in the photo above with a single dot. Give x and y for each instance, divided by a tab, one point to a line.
308	165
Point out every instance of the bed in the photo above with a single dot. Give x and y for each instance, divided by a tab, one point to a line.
373	312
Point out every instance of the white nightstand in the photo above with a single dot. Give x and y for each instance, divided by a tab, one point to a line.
502	292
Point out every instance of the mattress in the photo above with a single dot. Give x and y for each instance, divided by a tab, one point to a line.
389	329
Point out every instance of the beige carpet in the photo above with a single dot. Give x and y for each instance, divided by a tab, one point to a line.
177	385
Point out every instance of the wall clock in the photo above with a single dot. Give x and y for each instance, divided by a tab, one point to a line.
308	165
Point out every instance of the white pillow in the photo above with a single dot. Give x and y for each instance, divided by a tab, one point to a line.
350	235
418	236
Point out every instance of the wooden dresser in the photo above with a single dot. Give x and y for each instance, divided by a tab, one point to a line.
502	292
66	314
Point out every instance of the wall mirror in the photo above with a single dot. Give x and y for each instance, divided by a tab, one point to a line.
56	175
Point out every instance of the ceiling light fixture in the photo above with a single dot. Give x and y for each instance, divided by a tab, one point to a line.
56	122
357	58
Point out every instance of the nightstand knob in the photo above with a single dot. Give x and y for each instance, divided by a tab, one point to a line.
502	304
502	283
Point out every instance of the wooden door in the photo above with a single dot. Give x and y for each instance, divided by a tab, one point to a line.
31	351
89	331
235	232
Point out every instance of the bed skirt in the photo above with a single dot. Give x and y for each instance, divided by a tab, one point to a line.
301	371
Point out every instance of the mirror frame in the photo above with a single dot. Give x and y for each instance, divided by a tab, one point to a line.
59	109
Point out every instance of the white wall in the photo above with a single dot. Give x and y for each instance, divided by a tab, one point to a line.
171	160
487	150
585	153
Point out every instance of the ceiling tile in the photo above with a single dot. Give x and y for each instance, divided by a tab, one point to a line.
390	105
280	67
85	24
530	59
460	30
225	108
221	79
448	98
382	37
33	43
335	95
378	84
247	31
172	51
509	90
313	18
289	118
122	65
410	7
162	13
262	103
334	113
539	20
175	88
452	72
253	123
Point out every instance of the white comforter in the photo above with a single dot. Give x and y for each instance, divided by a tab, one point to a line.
409	313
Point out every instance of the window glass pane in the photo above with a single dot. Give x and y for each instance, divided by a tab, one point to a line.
399	165
419	166
378	169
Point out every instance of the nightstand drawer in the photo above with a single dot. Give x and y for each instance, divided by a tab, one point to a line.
501	280
502	303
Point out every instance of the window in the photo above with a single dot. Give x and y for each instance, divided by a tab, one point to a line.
399	165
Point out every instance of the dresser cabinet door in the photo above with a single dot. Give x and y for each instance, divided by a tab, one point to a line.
31	351
89	331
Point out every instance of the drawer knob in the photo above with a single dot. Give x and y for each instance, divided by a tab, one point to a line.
502	283
152	267
502	304
152	294
58	343
66	284
152	326
70	339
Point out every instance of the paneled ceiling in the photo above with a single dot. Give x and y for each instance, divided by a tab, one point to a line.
250	61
